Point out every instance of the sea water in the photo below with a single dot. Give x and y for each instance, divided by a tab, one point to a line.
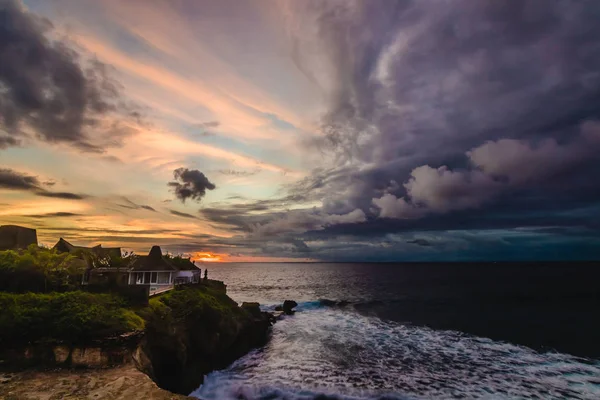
417	331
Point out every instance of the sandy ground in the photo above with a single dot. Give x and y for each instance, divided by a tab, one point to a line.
116	383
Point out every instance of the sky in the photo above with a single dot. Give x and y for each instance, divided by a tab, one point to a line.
328	130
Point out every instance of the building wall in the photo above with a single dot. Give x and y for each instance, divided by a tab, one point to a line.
14	237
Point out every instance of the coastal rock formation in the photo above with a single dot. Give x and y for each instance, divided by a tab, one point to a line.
252	307
189	332
196	330
288	306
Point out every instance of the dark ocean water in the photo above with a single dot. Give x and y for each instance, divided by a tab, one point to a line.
418	331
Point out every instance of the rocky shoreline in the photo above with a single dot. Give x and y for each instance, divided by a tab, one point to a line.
189	333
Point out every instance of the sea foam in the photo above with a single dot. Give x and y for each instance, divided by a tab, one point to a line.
332	353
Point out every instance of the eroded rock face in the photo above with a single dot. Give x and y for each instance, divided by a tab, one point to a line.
252	307
181	346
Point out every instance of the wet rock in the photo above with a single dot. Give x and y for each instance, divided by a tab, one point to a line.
288	306
277	315
278	308
252	307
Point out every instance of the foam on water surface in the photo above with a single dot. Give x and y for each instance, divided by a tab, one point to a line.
325	353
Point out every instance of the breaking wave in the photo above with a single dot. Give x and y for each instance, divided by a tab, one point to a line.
328	351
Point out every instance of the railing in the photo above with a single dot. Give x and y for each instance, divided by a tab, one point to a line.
160	290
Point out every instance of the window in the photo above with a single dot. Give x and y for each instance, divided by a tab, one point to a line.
139	279
163	278
146	277
153	277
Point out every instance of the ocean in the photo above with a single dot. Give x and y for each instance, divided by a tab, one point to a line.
418	331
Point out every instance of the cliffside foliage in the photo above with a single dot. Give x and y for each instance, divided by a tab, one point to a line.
71	316
38	269
194	330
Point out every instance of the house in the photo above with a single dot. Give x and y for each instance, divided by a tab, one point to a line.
161	273
96	274
13	237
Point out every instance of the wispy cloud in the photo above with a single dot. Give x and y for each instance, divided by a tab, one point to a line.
182	214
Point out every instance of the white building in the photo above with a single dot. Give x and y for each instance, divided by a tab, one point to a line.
160	273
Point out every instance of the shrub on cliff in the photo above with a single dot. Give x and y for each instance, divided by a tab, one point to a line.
37	269
70	316
196	329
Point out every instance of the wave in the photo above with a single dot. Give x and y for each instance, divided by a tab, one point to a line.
325	352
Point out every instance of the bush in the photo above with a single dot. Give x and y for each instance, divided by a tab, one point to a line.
70	316
38	269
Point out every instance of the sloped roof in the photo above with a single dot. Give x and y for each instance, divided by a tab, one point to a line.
154	261
63	246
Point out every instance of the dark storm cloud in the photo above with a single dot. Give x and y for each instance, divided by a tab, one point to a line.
190	184
182	214
453	109
44	85
420	242
14	180
300	246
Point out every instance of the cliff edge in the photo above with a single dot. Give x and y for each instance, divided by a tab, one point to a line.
188	333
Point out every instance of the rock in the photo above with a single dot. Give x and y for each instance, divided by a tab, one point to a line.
252	307
277	315
279	308
288	306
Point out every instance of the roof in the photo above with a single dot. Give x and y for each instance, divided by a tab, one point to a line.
154	261
65	247
184	264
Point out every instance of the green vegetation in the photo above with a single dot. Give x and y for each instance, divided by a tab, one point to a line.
71	316
38	269
178	260
41	299
109	260
204	302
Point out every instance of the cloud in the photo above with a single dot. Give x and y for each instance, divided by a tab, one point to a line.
10	179
55	215
300	246
190	184
48	89
8	141
497	167
413	84
232	172
420	242
209	124
134	206
62	195
182	214
300	221
14	180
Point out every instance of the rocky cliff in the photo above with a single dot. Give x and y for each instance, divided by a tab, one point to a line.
195	330
188	333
